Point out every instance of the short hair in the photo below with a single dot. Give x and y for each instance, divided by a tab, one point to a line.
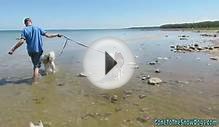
26	20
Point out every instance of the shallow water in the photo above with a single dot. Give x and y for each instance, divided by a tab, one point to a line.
190	88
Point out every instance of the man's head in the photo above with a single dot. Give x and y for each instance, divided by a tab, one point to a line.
27	22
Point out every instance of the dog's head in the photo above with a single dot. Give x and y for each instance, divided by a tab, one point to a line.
51	56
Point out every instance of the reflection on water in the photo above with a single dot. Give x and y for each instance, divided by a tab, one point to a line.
190	88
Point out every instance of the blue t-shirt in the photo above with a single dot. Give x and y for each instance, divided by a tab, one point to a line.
33	36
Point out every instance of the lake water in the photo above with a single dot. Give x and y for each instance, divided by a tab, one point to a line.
190	88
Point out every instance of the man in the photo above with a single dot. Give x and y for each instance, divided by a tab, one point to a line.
32	35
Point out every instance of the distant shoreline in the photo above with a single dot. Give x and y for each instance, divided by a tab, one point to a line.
207	25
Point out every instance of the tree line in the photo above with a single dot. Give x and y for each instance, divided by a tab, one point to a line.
206	24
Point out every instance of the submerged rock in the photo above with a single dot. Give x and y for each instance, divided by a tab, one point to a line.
142	96
183	38
152	63
211	48
196	45
154	81
145	77
60	84
82	75
143	119
200	48
118	109
157	71
114	98
172	46
216	47
143	109
214	58
128	92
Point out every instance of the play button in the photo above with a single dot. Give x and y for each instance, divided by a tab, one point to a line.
108	63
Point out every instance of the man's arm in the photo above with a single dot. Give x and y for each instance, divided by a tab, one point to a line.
18	44
52	35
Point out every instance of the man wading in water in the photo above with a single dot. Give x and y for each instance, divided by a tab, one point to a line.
32	35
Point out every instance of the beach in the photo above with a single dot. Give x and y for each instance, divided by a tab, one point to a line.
189	87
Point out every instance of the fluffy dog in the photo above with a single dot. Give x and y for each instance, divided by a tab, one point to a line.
49	62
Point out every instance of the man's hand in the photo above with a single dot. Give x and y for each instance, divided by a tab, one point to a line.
10	52
18	44
59	35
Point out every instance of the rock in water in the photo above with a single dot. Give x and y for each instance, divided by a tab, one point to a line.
211	48
142	96
145	77
114	98
213	58
157	71
143	119
172	46
82	75
196	45
152	63
154	81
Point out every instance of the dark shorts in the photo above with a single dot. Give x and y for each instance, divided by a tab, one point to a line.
35	58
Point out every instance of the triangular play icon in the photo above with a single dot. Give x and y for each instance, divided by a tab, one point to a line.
109	63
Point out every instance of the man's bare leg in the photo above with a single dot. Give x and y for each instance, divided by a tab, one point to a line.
35	75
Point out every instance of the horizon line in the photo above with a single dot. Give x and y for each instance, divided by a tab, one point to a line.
119	28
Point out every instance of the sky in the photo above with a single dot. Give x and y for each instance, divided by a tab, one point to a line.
100	14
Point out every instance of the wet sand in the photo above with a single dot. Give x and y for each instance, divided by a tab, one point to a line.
189	90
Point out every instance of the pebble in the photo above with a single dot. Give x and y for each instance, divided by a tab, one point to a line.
211	48
213	58
114	98
154	81
152	63
196	45
127	92
81	75
143	109
142	96
127	121
172	46
143	119
145	77
118	109
157	71
60	84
